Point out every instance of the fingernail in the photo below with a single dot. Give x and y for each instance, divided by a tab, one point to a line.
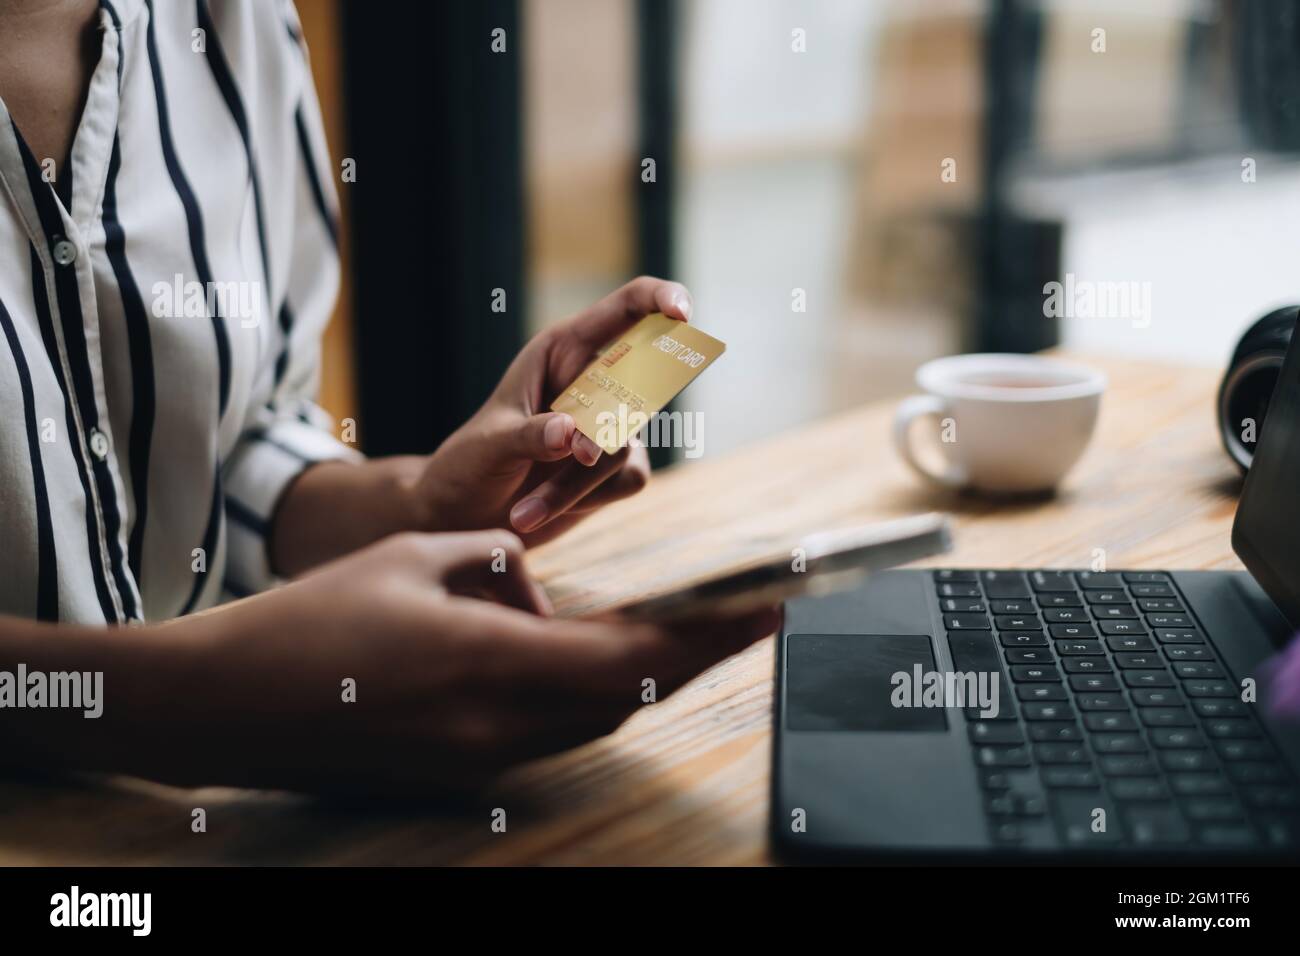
683	303
528	514
584	449
555	432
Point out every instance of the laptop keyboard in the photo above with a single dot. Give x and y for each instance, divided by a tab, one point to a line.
1118	726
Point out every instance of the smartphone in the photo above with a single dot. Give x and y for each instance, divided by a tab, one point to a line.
817	564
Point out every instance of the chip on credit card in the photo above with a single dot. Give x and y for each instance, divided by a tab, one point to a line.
635	377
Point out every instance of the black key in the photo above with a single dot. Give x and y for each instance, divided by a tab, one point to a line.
1253	773
974	651
1160	604
1110	612
1209	688
1005	712
1151	590
1229	835
1197	669
1002	756
1012	607
959	591
1166	717
1272	797
1029	655
1129	642
1244	750
1198	784
1048	711
1023	639
1109	723
997	779
1031	674
1061	753
1230	728
1052	581
951	574
1078	822
962	605
1156	825
1177	738
1104	580
1216	809
1005	584
1053	731
1126	765
1169	620
1015	805
1148	679
1045	692
1138	789
1093	682
1118	744
1017	622
1059	600
1178	635
995	732
1212	707
1065	615
1086	665
1073	777
1140	662
1122	627
1080	649
1071	630
1186	761
1105	597
1187	652
1100	702
1146	577
1156	697
966	622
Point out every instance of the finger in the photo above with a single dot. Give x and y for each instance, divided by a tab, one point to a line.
669	655
584	449
602	665
483	564
627	481
545	437
629	304
560	492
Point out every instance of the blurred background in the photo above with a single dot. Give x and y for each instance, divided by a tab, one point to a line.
848	187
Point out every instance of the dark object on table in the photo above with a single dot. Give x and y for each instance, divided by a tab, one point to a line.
1252	374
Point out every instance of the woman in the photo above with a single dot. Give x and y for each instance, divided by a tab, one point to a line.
168	241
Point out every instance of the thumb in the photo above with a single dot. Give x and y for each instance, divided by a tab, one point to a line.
488	565
542	437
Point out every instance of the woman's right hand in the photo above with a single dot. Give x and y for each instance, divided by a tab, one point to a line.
447	688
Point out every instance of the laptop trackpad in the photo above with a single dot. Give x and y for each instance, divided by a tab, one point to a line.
843	682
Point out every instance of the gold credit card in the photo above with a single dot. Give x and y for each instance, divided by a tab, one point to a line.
635	377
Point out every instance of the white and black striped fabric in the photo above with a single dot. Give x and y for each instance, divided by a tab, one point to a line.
161	303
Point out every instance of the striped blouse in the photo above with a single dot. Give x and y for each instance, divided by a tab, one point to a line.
161	301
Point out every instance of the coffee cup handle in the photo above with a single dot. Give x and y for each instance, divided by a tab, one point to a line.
912	408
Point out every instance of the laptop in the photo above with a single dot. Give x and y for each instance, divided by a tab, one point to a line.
1125	726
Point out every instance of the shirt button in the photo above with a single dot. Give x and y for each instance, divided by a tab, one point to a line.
99	444
65	252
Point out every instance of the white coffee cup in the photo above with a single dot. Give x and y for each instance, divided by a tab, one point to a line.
1006	423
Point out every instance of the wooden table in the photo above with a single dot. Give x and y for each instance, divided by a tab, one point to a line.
685	781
